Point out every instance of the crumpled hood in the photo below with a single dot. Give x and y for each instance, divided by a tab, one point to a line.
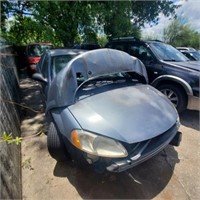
194	65
129	114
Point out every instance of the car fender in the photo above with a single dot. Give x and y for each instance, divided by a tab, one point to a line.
176	79
64	121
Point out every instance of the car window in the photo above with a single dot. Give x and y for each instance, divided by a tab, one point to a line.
188	55
140	51
168	53
59	62
115	78
196	55
118	45
37	49
113	81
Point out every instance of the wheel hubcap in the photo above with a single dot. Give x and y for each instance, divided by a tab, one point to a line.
171	95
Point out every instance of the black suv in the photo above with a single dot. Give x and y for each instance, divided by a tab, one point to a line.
168	70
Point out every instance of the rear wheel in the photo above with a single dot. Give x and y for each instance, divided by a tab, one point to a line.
56	145
176	95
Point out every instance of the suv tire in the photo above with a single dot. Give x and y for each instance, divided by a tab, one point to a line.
176	95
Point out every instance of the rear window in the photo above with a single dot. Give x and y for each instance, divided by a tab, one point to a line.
37	49
59	62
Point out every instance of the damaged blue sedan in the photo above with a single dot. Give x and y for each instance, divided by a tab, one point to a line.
103	113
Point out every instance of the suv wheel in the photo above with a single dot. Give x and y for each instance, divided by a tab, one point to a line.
176	95
55	144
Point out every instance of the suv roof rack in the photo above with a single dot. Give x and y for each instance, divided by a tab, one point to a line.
126	38
156	41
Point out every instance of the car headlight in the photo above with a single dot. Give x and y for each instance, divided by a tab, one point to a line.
97	145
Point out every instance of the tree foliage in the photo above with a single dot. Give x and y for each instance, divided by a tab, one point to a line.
178	34
148	11
117	19
24	30
71	21
64	18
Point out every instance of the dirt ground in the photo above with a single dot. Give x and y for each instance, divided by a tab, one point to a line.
172	174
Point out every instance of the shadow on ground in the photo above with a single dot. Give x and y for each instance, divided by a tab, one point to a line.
32	106
141	182
32	103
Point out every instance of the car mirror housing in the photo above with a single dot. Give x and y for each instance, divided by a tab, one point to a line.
39	77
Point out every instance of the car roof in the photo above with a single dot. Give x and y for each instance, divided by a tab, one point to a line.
90	64
87	46
132	39
40	43
64	51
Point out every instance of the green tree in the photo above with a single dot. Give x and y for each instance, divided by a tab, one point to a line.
13	8
102	40
63	17
125	18
172	32
89	36
148	11
117	19
67	21
24	30
178	34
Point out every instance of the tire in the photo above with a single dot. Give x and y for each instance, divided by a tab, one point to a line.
55	144
176	95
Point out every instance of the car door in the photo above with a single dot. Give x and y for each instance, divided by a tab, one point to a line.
144	53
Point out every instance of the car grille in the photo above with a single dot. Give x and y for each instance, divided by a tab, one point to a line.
139	152
138	149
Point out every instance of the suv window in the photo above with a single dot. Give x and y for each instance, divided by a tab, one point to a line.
140	51
167	52
135	49
122	46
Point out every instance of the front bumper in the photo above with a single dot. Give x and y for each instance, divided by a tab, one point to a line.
193	103
141	152
131	162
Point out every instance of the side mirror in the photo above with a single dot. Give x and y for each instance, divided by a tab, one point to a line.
39	77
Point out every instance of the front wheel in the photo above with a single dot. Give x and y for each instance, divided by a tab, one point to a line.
176	95
55	144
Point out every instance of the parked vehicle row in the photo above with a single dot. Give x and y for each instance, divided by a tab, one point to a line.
190	53
34	51
33	54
